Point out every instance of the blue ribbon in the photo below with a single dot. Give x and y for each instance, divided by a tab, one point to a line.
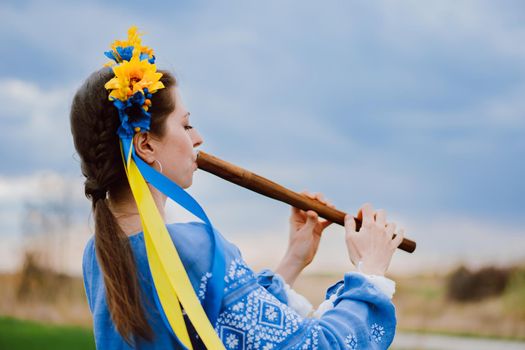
215	289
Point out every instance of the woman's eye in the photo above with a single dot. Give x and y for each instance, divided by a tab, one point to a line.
188	127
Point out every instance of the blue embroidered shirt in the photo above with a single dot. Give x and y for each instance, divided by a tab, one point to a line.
255	311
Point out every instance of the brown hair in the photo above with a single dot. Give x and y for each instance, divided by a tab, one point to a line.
94	123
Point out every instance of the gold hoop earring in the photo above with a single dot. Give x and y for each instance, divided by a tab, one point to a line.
160	165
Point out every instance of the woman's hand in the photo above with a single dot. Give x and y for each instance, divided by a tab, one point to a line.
305	233
373	244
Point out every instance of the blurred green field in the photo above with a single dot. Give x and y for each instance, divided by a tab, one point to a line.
27	335
61	319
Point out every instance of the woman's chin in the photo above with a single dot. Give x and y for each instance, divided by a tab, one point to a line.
188	183
184	182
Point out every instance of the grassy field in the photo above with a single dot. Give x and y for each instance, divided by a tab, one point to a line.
421	306
27	335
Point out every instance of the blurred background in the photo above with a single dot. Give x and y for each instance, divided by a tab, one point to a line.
416	107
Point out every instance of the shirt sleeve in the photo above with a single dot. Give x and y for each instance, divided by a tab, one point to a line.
277	286
274	284
385	285
363	317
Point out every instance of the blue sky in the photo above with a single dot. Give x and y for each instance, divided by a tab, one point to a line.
417	107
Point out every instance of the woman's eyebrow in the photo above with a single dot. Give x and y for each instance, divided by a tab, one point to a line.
187	115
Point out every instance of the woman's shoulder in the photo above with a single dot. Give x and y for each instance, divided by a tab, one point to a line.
88	254
90	270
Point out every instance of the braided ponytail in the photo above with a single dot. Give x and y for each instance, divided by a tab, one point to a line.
94	122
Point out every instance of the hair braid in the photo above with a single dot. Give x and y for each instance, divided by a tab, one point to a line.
94	124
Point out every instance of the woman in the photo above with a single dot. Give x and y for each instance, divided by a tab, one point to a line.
257	311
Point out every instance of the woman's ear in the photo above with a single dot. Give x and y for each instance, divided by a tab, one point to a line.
144	146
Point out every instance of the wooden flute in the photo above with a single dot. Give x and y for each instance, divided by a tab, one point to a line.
259	184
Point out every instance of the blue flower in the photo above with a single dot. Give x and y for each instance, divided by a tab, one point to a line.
121	54
125	53
132	115
145	56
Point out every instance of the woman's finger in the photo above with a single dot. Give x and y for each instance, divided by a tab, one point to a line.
398	239
390	228
381	217
296	212
367	212
316	195
349	223
319	196
328	203
353	252
308	194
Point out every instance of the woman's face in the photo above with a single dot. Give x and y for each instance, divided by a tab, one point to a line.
175	150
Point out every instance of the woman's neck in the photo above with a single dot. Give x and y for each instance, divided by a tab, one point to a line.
125	210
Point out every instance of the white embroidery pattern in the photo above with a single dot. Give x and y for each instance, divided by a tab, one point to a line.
271	313
203	284
257	319
351	342
238	274
312	341
377	332
238	307
232	341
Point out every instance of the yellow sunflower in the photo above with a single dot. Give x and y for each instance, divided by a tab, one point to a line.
132	76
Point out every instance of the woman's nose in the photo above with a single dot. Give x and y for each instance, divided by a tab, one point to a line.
197	139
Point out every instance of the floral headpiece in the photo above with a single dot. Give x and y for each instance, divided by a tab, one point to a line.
136	79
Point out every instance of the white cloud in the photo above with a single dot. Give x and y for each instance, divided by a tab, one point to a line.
35	124
38	108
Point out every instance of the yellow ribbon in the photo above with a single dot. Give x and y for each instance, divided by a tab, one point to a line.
169	275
